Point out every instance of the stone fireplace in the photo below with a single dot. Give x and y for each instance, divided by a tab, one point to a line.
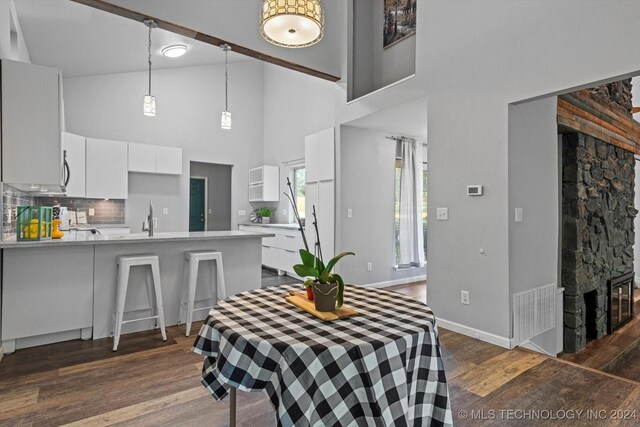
598	233
599	141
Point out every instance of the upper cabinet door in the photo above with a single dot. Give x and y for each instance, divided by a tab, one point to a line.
142	158
326	156
319	157
75	148
31	148
311	163
169	160
107	170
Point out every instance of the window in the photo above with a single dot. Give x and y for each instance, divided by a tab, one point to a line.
397	209
299	189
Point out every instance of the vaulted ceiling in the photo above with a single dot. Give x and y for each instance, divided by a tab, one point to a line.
81	40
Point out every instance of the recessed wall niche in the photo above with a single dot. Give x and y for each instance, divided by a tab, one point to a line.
382	48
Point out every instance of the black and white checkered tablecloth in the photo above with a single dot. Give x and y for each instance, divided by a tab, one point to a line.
380	368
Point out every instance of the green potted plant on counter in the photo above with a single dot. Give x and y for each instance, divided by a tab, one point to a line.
265	214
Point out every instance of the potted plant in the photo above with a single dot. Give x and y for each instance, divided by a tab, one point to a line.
265	214
327	288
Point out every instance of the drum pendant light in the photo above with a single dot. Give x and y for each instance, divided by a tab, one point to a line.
292	23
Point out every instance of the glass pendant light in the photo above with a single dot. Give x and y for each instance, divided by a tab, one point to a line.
150	100
225	119
292	23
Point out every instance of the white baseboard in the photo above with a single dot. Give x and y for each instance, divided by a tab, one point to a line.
395	282
475	333
533	347
1	353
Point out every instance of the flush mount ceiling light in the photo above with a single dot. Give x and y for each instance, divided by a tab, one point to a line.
292	23
225	118
150	100
174	51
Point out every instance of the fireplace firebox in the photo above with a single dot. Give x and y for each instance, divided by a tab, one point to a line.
620	301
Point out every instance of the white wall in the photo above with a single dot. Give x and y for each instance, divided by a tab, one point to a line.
367	170
534	187
295	105
12	46
373	66
513	51
189	102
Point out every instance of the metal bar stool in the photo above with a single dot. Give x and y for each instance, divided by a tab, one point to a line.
189	282
124	263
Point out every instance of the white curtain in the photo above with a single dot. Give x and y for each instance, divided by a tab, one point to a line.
410	234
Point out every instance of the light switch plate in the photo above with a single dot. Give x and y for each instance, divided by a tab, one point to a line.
210	211
92	211
518	215
165	211
442	214
242	212
284	212
155	222
349	213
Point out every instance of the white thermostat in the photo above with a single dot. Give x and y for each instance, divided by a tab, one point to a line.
474	190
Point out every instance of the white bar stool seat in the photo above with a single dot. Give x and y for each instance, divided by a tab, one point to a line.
124	264
189	282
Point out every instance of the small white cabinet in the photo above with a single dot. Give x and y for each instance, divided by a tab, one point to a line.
264	184
145	158
280	252
31	148
169	160
107	170
74	147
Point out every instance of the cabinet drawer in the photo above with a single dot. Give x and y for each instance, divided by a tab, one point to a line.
292	243
289	258
270	256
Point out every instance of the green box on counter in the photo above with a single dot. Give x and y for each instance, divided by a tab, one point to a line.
34	223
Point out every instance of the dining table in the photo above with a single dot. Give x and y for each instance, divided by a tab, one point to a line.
381	367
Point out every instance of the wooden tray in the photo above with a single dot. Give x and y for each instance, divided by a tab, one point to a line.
300	300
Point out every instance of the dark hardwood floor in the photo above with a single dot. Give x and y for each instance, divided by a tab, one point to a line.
618	353
151	383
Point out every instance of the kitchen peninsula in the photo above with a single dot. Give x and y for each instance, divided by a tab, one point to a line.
77	296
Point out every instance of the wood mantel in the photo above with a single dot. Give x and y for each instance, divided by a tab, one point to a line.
584	112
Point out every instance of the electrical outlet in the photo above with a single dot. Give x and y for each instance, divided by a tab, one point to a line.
210	211
92	211
464	297
155	222
349	213
165	211
369	266
284	213
242	212
442	214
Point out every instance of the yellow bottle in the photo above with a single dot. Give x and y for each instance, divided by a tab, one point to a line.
56	233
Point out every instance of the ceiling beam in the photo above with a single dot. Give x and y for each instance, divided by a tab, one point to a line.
205	38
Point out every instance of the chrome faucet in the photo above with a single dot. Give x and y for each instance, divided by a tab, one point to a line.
148	224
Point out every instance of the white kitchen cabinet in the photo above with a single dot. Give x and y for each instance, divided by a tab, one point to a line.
147	158
142	158
280	252
320	188
107	170
31	148
169	160
319	154
264	184
46	291
74	146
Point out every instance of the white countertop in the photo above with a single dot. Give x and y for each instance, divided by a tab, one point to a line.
84	238
292	226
